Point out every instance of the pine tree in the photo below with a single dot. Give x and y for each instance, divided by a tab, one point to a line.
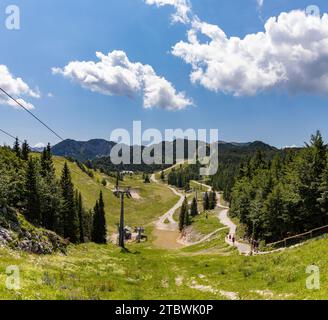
194	208
70	217
183	213
46	161
212	200
99	233
33	211
187	216
206	202
51	203
81	214
25	151
16	148
146	179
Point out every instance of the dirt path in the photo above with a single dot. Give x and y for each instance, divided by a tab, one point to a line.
243	248
205	238
166	232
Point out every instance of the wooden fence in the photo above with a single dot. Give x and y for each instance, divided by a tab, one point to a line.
287	242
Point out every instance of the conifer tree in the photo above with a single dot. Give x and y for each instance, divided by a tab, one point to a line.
81	214
16	148
25	151
183	213
46	162
212	200
99	233
206	201
146	179
187	216
194	208
70	217
33	211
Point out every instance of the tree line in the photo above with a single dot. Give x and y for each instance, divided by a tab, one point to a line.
182	176
29	184
284	196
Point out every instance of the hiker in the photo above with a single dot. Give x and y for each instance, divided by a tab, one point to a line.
233	240
257	246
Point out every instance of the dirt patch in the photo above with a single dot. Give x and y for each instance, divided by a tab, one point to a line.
135	195
204	288
165	239
268	294
230	295
179	281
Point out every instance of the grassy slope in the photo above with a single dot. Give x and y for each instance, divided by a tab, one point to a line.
155	199
103	272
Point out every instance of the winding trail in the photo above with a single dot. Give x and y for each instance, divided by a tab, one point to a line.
167	229
243	248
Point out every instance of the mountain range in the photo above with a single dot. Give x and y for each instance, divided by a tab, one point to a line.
100	148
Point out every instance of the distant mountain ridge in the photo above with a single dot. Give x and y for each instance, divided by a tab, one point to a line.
83	150
100	148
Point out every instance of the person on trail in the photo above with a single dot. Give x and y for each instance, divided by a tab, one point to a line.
233	240
253	242
257	246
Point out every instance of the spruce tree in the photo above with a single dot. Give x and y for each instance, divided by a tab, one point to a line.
25	151
194	208
81	214
212	200
99	231
51	203
33	211
146	179
187	216
183	213
206	201
16	148
69	214
47	166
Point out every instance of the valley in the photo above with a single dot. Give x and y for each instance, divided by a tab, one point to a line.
160	268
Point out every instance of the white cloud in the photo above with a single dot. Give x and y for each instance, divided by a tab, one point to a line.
294	146
39	145
291	54
114	74
182	7
15	87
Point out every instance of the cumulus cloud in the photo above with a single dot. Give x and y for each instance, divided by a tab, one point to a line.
39	145
15	87
291	54
182	7
114	74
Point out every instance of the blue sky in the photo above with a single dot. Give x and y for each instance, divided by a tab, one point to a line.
55	32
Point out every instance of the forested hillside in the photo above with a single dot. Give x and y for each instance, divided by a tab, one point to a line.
230	159
284	196
29	187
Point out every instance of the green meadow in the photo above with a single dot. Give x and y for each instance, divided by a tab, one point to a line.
209	270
